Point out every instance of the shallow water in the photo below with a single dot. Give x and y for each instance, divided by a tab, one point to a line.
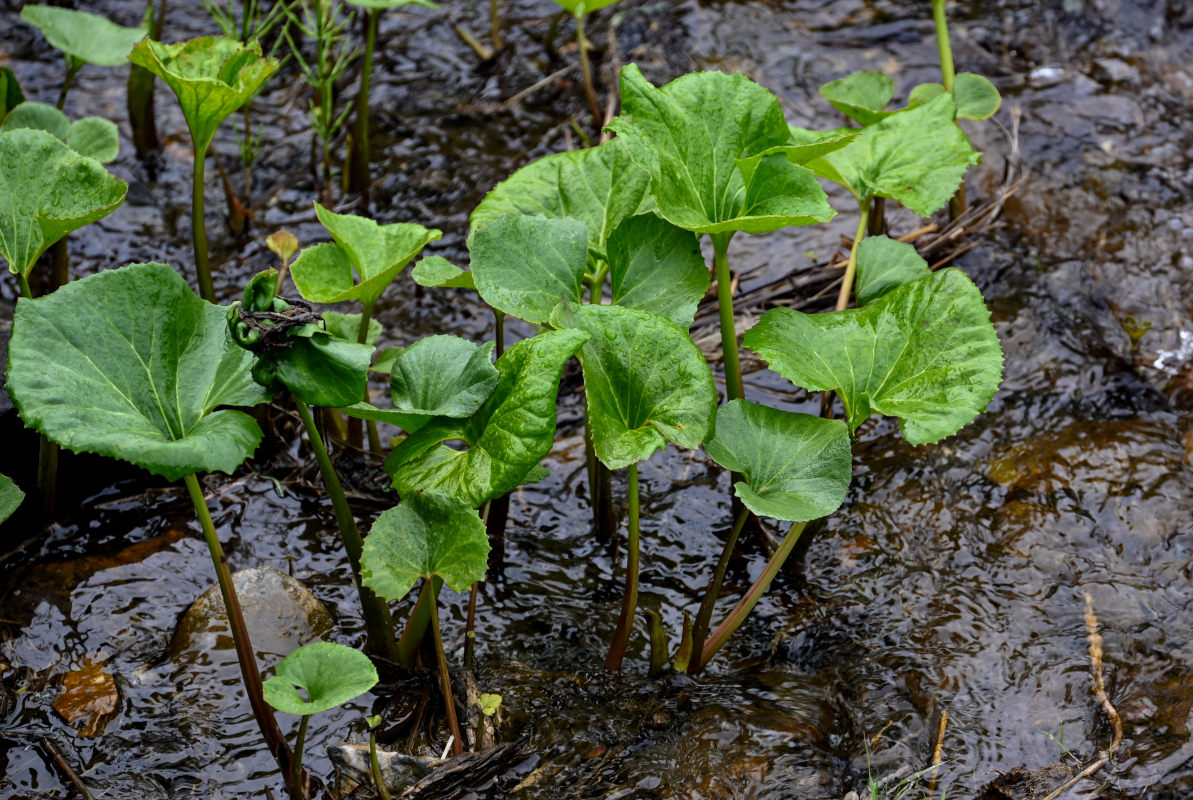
953	579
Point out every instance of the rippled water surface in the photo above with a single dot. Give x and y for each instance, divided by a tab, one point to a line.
952	580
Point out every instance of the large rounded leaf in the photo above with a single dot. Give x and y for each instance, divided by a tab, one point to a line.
645	382
129	363
85	36
925	353
600	186
861	96
428	535
524	265
94	137
796	467
212	76
10	497
657	267
47	190
330	674
884	264
375	253
691	136
506	437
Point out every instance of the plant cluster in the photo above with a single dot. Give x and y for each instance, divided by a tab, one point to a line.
599	249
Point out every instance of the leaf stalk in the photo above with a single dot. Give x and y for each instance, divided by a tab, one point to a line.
704	615
625	623
733	382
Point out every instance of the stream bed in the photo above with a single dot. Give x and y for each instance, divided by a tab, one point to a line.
955	577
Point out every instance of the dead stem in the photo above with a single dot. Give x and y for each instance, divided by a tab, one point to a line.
938	752
1095	660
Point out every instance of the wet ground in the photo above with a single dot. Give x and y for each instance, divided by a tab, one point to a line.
953	579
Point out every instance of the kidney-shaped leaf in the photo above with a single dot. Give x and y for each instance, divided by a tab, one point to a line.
884	264
94	137
645	382
10	497
212	76
925	353
657	267
47	190
690	135
796	467
862	96
975	95
39	117
85	36
506	437
600	186
129	363
330	674
427	535
524	265
376	253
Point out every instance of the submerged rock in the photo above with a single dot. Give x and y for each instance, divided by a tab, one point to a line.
280	613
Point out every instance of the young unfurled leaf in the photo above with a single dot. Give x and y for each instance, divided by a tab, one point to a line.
428	535
600	186
917	156
797	467
645	382
575	7
506	437
489	703
883	264
129	363
924	352
657	267
282	244
439	376
10	497
330	674
93	137
376	254
47	190
437	271
862	96
691	134
523	265
84	36
347	326
212	76
975	95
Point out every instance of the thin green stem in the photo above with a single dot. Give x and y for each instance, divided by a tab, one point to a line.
445	683
199	227
354	424
72	69
733	382
851	265
420	620
375	766
744	606
379	624
299	742
621	637
358	173
23	280
942	45
594	104
704	615
249	673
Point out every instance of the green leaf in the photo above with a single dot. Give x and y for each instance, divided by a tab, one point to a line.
38	117
884	264
212	77
584	7
330	674
323	370
10	497
797	467
376	253
11	95
862	96
924	352
506	438
86	36
47	190
437	271
381	4
645	382
976	96
523	265
600	186
917	156
692	136
347	326
129	363
924	93
94	137
657	267
427	535
384	362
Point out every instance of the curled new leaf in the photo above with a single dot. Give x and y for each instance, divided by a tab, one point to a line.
924	352
47	190
129	363
330	674
796	467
